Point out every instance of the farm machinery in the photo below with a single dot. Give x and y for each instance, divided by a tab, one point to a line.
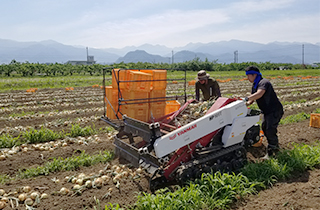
180	146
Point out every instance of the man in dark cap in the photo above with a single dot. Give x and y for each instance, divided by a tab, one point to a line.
209	87
263	93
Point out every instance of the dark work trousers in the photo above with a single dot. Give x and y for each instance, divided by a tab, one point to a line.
269	127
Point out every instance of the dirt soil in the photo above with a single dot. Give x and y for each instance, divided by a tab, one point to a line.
301	192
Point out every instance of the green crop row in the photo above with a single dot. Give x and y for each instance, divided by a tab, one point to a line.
292	118
23	83
221	190
79	80
297	117
44	135
67	164
31	69
60	164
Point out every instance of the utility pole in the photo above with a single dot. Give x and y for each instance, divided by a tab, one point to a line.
235	56
303	55
172	56
87	54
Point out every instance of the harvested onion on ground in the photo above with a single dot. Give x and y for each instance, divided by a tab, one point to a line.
2	204
98	182
34	195
64	191
88	184
22	197
26	189
44	196
28	201
76	187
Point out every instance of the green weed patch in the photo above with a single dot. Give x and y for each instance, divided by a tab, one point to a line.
219	191
33	136
43	135
7	141
68	164
77	130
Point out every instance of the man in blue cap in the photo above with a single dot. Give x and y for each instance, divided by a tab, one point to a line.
263	93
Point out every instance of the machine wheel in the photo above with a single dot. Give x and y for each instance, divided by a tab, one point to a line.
252	136
185	174
157	183
226	167
237	164
240	153
198	173
207	169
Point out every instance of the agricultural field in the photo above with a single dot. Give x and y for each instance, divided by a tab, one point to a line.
56	153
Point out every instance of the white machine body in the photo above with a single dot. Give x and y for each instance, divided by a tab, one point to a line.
233	117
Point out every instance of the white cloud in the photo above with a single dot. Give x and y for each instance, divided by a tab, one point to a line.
153	28
253	6
104	24
299	29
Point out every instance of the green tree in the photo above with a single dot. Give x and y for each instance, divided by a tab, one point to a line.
12	67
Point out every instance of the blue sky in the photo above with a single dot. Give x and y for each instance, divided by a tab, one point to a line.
173	23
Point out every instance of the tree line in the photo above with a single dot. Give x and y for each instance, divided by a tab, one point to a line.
27	69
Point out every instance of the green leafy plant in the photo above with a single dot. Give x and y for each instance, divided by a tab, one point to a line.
43	135
182	198
219	191
7	141
77	130
212	191
68	164
295	118
5	178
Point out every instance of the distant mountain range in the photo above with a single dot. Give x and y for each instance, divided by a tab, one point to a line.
224	52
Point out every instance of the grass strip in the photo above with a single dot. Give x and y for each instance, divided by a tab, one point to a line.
4	178
67	164
287	162
7	141
219	191
44	135
23	83
297	117
294	118
77	130
212	191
